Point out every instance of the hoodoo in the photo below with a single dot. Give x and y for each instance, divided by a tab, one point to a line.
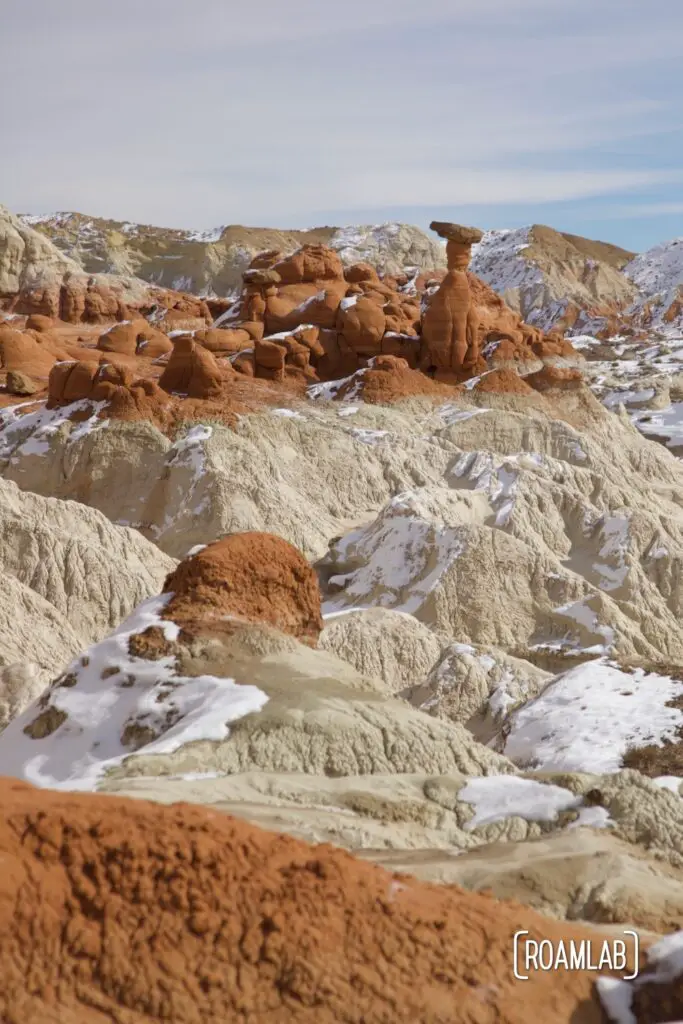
450	327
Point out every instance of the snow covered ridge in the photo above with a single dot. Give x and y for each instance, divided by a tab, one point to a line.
110	703
389	247
497	260
659	270
589	717
33	432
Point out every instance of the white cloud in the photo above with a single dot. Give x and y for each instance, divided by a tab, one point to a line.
192	114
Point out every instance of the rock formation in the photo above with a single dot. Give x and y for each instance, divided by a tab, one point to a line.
248	577
450	326
67	575
552	278
36	278
211	263
330	321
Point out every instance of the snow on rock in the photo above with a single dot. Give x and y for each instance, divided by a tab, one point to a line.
331	388
670	782
210	235
392	248
658	274
666	424
291	414
497	261
498	797
588	717
593	817
396	561
31	433
659	270
185	486
665	963
110	702
613	532
497	477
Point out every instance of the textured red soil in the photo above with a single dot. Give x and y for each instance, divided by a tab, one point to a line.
115	911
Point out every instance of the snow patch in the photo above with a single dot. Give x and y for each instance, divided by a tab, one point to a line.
497	797
587	719
141	692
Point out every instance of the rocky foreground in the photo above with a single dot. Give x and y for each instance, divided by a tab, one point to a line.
363	560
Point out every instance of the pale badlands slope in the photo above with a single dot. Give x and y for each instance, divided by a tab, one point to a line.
211	262
494	570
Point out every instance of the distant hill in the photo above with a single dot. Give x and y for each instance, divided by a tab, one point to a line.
211	262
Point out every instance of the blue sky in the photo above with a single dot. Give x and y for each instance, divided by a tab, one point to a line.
496	112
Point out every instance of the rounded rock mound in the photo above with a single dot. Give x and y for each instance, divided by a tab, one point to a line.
182	914
252	577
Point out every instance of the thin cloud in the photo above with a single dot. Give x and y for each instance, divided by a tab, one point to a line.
645	210
192	115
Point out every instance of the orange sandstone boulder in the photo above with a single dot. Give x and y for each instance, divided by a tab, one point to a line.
193	371
25	353
71	382
389	379
310	263
503	382
224	340
555	378
121	338
36	322
252	577
362	324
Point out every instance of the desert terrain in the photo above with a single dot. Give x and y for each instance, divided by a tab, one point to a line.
340	622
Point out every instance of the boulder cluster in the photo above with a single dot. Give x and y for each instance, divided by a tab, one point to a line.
307	316
299	320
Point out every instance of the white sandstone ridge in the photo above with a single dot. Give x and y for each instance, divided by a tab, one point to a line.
211	262
110	702
30	262
67	575
658	275
504	527
543	273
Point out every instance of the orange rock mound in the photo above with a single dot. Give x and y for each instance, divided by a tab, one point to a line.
254	577
556	378
389	380
111	382
502	382
115	910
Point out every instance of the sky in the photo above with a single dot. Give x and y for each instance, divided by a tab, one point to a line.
295	113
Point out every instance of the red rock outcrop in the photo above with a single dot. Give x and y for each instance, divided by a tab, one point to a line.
40	323
450	326
252	577
127	397
122	910
503	382
31	352
555	378
192	370
135	336
390	379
